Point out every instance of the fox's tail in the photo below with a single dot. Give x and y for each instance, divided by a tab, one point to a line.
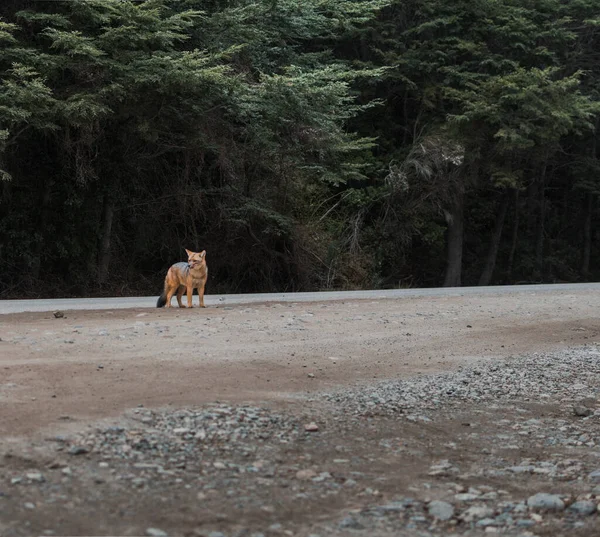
162	300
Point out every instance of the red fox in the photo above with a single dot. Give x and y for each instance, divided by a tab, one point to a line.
185	276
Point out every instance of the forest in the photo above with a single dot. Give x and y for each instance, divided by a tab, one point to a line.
304	144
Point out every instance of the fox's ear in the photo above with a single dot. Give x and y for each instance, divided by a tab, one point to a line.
203	253
189	253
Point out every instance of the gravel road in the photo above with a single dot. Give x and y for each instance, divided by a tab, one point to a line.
416	416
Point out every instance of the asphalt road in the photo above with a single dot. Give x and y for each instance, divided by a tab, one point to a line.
15	306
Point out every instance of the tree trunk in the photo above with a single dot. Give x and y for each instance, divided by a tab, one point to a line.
587	236
455	220
514	238
104	251
490	262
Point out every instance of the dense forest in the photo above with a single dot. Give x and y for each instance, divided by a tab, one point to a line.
306	145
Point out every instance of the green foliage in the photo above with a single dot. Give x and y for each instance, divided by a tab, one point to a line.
335	138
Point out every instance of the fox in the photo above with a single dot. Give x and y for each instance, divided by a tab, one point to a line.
185	276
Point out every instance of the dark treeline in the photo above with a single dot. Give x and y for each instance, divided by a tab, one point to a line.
306	145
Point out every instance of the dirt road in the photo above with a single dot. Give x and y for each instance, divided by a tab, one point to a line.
93	364
57	375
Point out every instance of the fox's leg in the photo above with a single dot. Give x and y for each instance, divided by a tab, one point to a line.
190	291
170	292
201	295
180	291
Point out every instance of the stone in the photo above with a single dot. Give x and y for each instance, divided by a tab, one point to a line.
156	532
595	475
305	474
582	411
466	497
311	427
440	510
350	523
583	507
476	512
78	450
545	502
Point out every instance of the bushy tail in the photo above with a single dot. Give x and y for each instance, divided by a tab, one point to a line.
162	300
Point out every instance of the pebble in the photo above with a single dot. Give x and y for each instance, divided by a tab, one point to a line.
545	502
595	475
305	474
156	532
350	523
35	476
582	411
583	507
78	450
476	512
440	510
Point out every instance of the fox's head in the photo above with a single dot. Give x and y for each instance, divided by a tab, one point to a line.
196	259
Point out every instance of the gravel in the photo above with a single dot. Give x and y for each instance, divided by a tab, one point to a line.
570	376
496	447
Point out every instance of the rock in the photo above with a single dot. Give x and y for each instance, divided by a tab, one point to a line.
476	512
440	510
59	314
545	502
504	520
583	507
485	522
78	450
311	427
155	532
29	505
466	497
595	475
305	474
582	411
350	523
35	476
390	507
323	476
522	469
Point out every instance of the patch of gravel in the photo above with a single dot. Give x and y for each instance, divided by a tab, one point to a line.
182	435
568	376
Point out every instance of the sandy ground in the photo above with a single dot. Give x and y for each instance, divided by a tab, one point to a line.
62	374
92	364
